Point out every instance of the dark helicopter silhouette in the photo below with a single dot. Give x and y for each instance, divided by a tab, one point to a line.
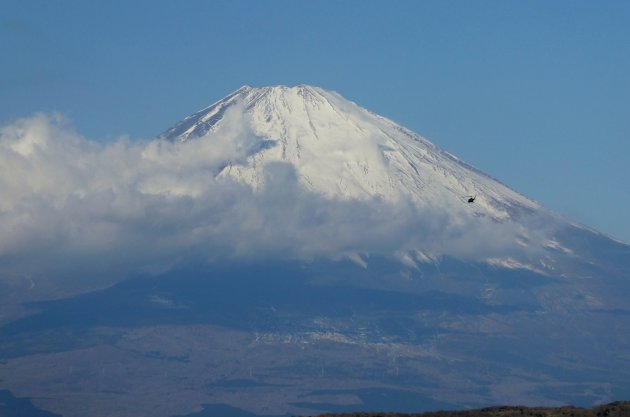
471	199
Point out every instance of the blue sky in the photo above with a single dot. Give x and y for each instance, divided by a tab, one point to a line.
533	93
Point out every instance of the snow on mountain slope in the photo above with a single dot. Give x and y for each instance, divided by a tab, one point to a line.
340	150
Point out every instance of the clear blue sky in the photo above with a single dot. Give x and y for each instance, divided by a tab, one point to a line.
534	93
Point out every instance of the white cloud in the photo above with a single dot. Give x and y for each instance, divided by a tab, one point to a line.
73	206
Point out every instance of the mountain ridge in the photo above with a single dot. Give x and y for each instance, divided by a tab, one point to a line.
614	409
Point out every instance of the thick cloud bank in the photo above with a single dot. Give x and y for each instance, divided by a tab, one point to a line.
69	205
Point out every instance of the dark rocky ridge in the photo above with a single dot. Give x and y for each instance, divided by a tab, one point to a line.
615	409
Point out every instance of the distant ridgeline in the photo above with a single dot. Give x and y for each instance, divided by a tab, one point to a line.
615	409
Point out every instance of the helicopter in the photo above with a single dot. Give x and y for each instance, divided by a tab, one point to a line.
471	199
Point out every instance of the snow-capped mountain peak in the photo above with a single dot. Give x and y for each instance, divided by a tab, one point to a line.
342	150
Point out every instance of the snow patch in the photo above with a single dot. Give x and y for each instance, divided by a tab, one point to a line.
555	245
511	263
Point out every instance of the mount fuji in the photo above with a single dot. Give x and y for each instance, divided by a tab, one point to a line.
341	150
396	293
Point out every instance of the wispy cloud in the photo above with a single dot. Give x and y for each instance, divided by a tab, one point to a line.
71	206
